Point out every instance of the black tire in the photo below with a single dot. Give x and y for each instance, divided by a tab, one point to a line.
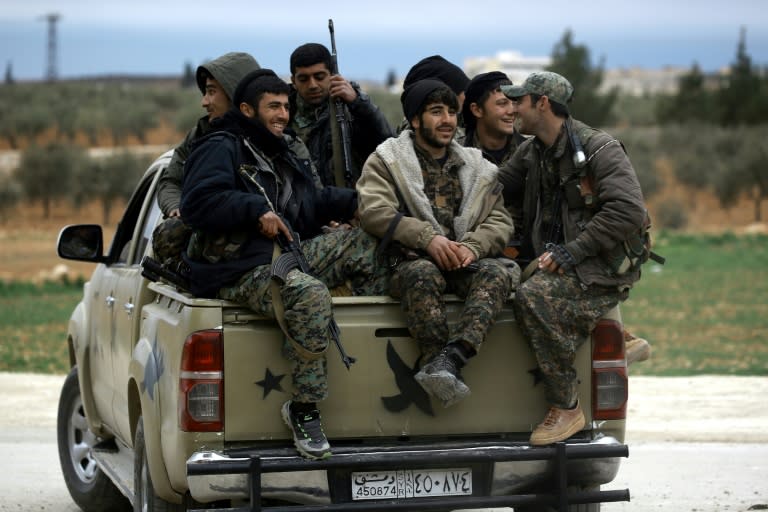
145	499
89	487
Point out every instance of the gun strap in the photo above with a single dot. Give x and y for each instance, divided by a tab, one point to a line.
279	309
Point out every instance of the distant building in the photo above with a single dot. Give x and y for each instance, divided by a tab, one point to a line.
631	81
512	63
642	81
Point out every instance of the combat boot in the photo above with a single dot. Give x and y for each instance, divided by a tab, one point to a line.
558	424
441	377
637	349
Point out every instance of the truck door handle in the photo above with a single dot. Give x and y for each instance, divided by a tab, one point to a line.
110	301
128	307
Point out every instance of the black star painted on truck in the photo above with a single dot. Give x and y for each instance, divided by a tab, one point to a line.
270	382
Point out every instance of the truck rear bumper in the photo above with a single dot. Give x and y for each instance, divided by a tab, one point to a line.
504	473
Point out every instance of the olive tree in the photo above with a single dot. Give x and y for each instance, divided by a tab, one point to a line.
44	173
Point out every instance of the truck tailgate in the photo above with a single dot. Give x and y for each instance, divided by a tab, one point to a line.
380	387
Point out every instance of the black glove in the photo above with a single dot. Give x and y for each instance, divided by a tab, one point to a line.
561	256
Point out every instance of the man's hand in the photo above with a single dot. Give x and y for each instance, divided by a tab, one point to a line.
449	255
174	213
556	259
342	89
270	224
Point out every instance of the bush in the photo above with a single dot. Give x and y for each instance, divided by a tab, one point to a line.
671	215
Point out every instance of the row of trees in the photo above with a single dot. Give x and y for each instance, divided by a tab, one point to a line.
712	132
713	129
59	171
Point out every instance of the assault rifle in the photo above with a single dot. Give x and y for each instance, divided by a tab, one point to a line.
341	134
154	271
293	257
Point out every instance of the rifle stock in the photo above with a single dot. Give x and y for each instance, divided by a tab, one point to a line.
341	135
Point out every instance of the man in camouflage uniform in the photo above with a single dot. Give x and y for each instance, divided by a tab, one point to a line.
314	87
576	211
441	204
243	186
216	80
488	118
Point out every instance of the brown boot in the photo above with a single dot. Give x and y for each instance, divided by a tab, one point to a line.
558	424
637	349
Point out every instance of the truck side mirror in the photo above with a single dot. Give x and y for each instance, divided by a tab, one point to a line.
82	242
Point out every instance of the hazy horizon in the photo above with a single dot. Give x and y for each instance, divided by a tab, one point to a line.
158	38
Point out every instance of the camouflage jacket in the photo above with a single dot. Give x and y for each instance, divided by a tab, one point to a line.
591	232
369	128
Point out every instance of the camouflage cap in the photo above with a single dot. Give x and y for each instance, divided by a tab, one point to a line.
543	83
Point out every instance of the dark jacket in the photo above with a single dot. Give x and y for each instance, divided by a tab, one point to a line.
222	202
369	128
592	234
513	142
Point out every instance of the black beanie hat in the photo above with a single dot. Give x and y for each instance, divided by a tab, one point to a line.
478	86
414	95
437	67
243	87
310	54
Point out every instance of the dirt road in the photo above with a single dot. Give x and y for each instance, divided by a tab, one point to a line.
696	444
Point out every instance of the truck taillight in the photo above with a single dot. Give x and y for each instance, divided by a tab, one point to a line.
609	372
201	385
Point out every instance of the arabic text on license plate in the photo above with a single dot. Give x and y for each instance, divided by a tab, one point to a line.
411	483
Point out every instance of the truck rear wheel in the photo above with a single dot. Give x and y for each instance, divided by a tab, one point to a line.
144	497
89	487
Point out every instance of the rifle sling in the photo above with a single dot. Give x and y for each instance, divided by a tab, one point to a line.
279	309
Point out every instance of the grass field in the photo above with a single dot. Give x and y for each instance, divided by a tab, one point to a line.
705	311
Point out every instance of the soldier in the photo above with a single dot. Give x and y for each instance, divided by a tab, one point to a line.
488	118
578	199
216	80
440	205
314	87
243	186
438	68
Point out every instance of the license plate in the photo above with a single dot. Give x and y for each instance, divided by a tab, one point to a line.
411	483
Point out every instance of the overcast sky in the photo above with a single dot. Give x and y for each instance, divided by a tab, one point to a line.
158	37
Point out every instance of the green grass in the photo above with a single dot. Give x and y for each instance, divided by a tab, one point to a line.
704	312
33	325
706	309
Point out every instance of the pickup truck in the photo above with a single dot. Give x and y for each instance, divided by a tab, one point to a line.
172	403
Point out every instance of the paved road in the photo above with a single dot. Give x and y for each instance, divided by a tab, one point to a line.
697	444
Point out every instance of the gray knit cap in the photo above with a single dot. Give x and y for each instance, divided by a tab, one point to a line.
228	70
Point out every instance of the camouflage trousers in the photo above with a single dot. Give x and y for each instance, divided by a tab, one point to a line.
336	258
420	285
557	314
169	239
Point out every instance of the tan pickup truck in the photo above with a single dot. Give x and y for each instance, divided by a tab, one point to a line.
172	404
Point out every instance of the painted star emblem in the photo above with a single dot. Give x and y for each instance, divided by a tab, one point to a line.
270	382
